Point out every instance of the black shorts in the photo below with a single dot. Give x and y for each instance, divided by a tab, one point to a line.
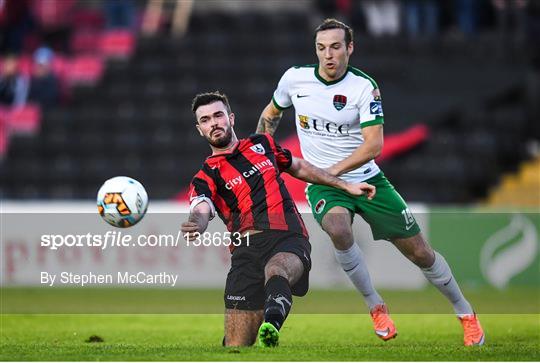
244	289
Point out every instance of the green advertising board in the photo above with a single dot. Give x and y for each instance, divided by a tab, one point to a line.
487	247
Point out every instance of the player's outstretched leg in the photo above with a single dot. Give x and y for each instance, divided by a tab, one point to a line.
276	309
268	335
337	223
241	327
282	270
438	272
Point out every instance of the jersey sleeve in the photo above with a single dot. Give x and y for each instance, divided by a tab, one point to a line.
202	189
282	98
283	156
370	106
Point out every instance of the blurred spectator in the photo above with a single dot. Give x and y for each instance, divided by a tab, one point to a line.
348	11
153	16
467	16
382	16
119	14
53	18
13	85
15	23
44	85
421	18
511	19
333	8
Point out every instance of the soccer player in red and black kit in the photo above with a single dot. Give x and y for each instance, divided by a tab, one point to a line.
241	182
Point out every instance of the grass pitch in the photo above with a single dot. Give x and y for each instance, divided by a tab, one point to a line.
307	335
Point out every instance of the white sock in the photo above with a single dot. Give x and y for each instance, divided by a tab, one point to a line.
352	262
440	275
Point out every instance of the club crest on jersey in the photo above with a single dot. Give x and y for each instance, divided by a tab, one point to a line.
339	102
376	93
320	206
258	148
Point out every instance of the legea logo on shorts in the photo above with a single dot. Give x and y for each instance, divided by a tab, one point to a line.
320	206
236	298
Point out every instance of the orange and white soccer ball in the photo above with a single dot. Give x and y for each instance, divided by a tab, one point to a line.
122	201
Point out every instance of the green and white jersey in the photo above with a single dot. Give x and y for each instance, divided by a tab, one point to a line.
330	115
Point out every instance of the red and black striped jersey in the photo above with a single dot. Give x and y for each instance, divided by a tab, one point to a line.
246	189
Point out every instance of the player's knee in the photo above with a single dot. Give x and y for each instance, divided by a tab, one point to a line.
341	236
343	244
340	233
423	257
284	264
275	270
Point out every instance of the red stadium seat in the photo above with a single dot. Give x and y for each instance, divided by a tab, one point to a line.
4	137
31	42
85	69
88	19
25	65
117	44
24	119
85	41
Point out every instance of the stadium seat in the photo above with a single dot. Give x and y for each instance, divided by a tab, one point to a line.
88	19
4	137
117	44
60	65
25	65
24	119
30	170
85	42
85	69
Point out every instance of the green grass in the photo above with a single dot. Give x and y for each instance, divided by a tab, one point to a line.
305	336
198	301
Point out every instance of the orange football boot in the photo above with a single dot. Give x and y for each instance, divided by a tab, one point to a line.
473	334
384	326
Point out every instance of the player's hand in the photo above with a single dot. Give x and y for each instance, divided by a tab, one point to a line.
361	189
190	231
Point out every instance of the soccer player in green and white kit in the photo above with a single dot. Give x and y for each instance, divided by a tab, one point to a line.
339	121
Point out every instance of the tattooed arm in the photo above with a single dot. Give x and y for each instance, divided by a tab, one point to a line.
304	170
269	119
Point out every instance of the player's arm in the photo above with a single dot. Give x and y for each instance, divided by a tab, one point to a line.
304	170
198	220
269	119
281	99
369	150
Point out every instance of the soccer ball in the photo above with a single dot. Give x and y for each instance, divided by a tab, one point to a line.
122	201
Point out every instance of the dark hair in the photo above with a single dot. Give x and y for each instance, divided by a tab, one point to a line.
207	98
336	24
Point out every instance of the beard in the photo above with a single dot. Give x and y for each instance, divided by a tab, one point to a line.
222	141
